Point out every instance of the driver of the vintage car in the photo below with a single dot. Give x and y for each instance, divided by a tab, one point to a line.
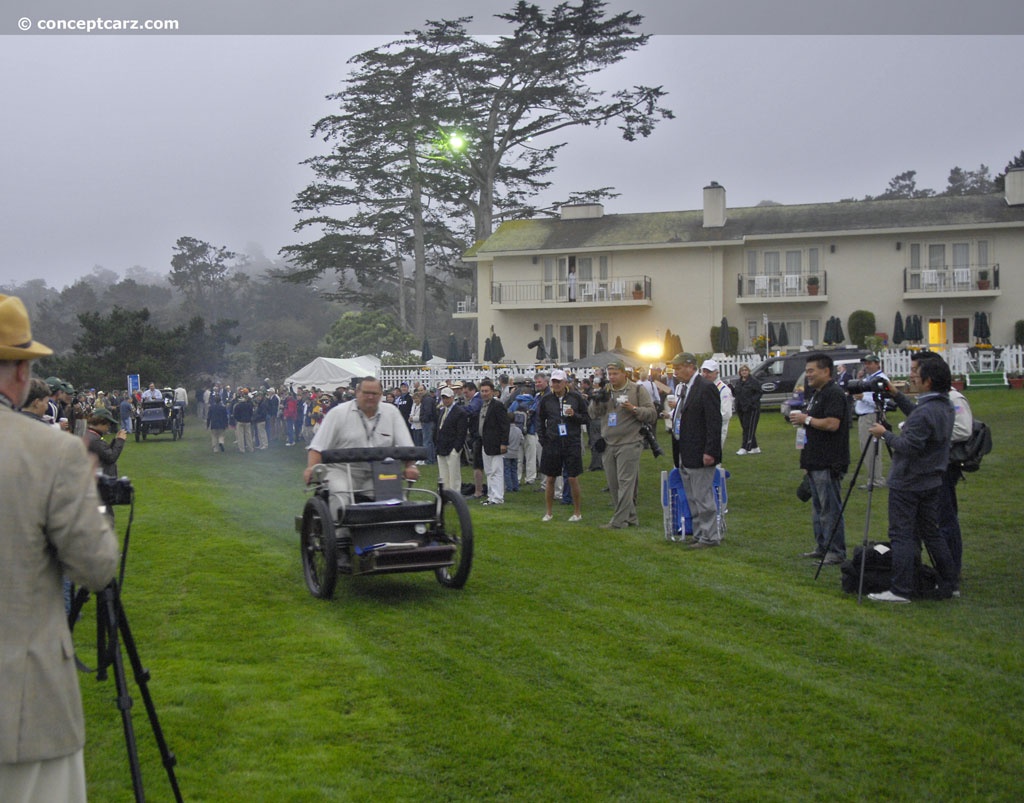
359	423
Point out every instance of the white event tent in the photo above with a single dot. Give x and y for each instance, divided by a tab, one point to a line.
328	373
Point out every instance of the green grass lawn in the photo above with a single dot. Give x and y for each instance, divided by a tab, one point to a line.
577	663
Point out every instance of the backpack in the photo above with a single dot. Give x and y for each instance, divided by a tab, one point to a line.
968	454
521	420
878	572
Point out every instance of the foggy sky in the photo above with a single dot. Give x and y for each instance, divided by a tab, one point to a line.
113	147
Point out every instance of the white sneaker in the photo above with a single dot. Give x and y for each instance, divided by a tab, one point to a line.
756	450
575	517
887	596
741	451
547	517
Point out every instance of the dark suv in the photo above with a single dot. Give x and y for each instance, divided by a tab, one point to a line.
778	375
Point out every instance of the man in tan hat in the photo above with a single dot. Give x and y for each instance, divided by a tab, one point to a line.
51	524
623	408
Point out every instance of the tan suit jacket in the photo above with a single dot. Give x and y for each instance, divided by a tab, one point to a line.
49	523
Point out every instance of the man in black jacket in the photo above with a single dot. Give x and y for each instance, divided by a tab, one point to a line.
450	436
494	424
697	428
920	455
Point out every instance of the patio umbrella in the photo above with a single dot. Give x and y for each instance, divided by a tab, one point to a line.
598	343
771	335
986	332
465	349
666	350
542	353
618	343
898	335
497	350
453	348
553	352
840	337
830	330
488	351
783	335
425	353
723	337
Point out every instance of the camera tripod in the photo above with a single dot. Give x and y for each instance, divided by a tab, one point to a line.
867	452
111	620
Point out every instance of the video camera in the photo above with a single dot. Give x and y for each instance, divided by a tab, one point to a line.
115	490
600	393
877	386
650	441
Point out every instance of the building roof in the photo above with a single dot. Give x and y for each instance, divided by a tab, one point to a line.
747	223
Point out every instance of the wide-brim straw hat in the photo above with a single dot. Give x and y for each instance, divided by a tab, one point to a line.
16	341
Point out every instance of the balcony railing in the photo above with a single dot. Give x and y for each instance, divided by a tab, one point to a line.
951	279
781	286
617	290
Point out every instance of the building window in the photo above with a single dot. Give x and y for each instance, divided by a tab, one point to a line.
592	277
794	262
586	340
566	343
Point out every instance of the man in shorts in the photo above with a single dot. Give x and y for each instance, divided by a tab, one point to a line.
561	416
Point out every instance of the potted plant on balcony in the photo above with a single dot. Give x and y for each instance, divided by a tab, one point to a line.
638	291
812	285
983	281
1015	380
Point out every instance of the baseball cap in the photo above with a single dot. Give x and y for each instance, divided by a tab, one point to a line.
617	364
447	392
684	357
709	365
106	415
870	358
558	374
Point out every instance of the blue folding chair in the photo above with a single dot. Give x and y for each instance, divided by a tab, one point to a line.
678	522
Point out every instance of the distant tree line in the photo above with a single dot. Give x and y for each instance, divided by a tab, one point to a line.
959	182
215	315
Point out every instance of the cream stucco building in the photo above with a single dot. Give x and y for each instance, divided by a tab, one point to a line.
633	276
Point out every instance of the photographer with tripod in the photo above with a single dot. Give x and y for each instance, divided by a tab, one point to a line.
920	456
825	456
51	524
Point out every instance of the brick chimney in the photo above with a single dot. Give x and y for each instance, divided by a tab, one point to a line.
1014	186
714	206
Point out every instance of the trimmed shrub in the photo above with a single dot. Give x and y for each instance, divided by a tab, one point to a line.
734	339
860	326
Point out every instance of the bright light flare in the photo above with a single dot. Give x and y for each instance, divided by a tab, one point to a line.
651	350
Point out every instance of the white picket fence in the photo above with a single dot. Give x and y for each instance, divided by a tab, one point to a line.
895	363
